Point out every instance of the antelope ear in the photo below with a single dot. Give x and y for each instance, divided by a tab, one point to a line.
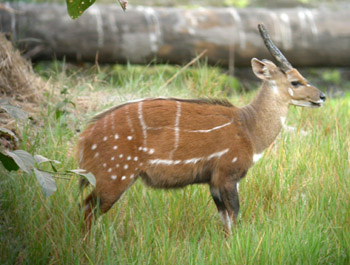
260	69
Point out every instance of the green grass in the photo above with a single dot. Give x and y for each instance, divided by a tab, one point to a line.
295	202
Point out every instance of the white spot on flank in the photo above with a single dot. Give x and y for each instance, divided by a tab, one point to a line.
117	165
94	146
290	91
126	166
114	177
121	156
256	157
128	158
141	164
115	147
234	159
132	176
104	165
96	154
140	148
129	138
145	149
116	136
109	170
123	177
136	158
112	158
151	151
105	138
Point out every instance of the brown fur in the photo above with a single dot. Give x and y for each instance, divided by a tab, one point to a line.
171	143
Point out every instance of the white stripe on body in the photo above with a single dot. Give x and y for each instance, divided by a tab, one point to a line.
187	161
176	128
142	122
210	130
128	119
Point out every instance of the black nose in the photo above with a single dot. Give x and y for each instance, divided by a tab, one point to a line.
323	96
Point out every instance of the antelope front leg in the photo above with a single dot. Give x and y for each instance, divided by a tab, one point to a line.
215	193
229	195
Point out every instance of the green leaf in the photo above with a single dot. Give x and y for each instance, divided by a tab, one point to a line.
14	111
8	132
23	159
41	159
89	176
27	158
8	162
76	8
46	182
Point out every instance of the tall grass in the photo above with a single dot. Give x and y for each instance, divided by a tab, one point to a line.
295	202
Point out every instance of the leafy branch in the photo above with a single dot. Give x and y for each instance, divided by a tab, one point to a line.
24	161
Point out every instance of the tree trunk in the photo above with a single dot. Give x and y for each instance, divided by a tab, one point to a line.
308	37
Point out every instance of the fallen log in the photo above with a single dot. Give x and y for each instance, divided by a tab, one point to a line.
308	37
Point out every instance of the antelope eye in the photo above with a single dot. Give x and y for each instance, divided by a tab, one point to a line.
295	83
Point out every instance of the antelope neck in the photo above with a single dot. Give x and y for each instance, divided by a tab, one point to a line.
263	117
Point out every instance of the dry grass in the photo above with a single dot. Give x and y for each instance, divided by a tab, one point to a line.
18	82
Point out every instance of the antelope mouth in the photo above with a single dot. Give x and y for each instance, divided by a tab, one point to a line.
308	104
316	104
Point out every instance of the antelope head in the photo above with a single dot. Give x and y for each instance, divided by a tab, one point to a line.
285	79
